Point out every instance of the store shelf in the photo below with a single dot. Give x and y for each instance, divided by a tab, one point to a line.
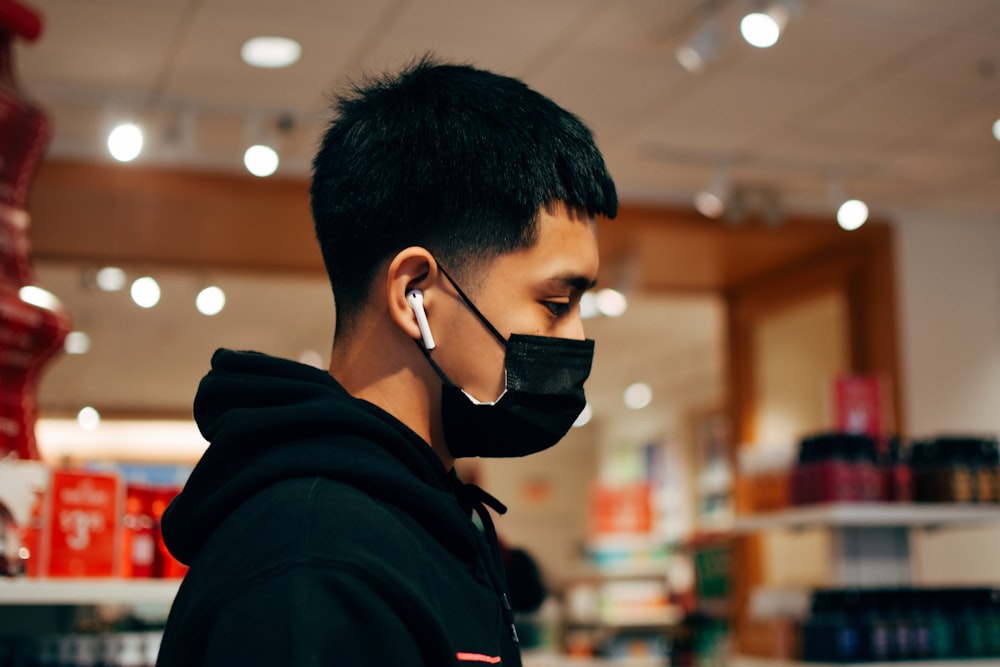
666	617
746	661
87	591
870	515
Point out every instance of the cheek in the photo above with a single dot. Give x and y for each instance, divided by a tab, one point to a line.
473	359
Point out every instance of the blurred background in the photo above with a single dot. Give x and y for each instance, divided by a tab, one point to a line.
807	244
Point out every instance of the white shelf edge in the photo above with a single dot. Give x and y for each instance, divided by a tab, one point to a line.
749	661
87	591
861	515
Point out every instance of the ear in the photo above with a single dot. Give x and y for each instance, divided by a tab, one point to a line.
411	268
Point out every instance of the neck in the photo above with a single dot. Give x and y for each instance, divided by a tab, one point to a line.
393	375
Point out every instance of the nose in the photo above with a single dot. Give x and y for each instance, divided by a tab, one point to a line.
573	327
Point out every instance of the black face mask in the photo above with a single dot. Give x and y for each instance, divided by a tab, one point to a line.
542	398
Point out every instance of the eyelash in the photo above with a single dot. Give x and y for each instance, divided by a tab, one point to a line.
558	308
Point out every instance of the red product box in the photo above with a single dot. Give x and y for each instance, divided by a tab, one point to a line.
81	538
139	535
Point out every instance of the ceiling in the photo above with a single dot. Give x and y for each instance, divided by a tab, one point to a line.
892	99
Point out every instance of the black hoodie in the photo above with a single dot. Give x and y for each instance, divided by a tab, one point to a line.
320	530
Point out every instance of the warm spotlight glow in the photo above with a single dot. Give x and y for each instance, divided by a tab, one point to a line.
125	142
261	160
77	342
270	52
588	306
36	296
585	416
709	204
88	418
638	395
111	279
760	29
996	129
210	301
852	214
145	292
611	302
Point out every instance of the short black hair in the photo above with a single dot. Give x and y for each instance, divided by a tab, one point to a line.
448	157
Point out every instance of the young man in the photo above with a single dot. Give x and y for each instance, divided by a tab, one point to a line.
324	525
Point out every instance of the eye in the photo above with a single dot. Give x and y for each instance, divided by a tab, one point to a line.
558	308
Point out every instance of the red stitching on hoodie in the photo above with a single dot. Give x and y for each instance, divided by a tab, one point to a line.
478	657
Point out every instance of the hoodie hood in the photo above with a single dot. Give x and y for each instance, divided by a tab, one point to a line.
270	419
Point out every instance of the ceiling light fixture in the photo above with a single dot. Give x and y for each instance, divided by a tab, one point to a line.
996	129
125	142
210	301
261	160
704	45
851	213
88	418
638	395
110	279
77	342
270	52
762	29
711	202
611	302
145	292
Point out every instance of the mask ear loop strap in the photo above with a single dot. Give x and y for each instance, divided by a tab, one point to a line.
472	307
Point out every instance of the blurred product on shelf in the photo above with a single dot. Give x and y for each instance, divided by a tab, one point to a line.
99	521
844	467
956	469
762	483
134	648
836	467
894	624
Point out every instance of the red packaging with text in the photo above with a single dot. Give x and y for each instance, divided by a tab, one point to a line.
83	523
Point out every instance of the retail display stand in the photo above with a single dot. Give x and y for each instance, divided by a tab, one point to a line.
870	546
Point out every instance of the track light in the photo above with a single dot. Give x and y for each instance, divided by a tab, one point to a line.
125	142
703	46
763	28
261	160
851	213
711	202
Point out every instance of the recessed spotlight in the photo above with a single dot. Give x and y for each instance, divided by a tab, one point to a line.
125	142
852	214
77	342
88	418
996	129
145	292
260	160
210	301
110	279
638	395
611	302
270	52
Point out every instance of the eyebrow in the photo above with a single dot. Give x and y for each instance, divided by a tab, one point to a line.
575	282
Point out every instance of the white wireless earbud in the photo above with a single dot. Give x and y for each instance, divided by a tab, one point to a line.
416	300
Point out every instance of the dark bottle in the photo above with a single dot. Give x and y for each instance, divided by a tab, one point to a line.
940	623
987	490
